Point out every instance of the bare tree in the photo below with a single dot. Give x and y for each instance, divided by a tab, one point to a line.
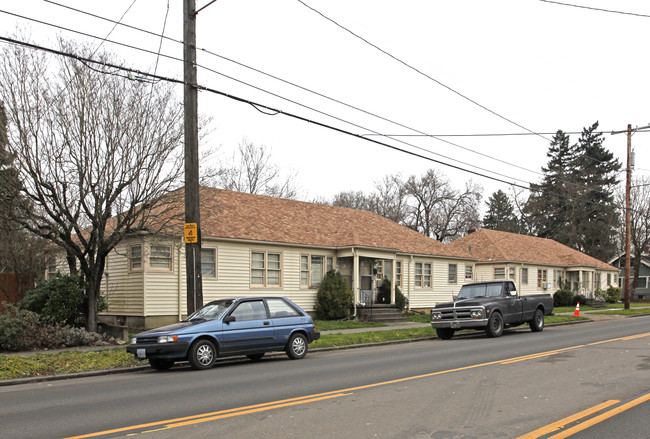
639	224
351	199
438	210
390	199
253	172
97	153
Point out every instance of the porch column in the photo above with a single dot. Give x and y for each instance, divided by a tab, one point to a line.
393	283
355	278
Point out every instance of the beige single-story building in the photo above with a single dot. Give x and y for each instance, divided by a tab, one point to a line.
259	245
535	264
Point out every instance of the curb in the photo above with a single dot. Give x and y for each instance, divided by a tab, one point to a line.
44	378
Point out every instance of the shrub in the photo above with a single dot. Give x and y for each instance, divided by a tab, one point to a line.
579	298
22	330
334	298
384	291
60	300
400	299
562	298
15	325
613	294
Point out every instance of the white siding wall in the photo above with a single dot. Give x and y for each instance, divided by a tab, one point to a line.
441	290
123	288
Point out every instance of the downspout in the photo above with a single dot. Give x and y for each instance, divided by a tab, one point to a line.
180	292
355	279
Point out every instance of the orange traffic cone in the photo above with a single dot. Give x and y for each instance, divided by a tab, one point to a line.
576	313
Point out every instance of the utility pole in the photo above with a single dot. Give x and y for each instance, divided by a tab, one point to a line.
628	222
627	282
194	285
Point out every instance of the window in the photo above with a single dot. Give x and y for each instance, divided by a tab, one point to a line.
51	268
330	264
541	278
557	278
524	276
135	257
161	257
641	282
398	273
499	273
609	279
249	311
209	262
469	272
279	308
422	275
452	274
311	270
511	273
265	269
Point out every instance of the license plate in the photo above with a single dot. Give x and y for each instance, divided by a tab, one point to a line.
141	353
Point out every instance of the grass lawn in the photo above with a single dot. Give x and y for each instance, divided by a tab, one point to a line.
329	325
71	361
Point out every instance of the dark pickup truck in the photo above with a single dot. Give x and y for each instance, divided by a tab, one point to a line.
490	306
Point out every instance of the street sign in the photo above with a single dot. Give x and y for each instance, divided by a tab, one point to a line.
191	233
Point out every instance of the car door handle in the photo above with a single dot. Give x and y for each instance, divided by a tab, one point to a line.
267	323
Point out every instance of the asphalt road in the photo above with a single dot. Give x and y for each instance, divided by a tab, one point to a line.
468	387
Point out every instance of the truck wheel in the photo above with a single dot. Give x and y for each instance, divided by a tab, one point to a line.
537	324
495	325
445	333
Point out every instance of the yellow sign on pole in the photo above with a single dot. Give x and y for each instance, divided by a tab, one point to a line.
191	233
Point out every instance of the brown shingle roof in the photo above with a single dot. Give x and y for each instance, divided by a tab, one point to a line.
236	215
496	246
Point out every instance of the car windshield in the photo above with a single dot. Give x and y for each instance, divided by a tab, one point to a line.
469	291
211	311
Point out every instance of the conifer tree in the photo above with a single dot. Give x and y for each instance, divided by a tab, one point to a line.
501	213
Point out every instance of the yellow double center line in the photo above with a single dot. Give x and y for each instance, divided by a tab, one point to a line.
206	417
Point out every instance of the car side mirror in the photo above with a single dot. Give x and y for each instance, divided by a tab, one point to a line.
229	319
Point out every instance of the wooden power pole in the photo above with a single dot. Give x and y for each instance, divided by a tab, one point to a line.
194	285
628	226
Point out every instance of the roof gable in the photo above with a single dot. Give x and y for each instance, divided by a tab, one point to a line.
235	215
497	246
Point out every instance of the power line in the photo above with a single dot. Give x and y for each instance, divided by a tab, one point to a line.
276	111
595	9
294	102
420	72
420	133
255	104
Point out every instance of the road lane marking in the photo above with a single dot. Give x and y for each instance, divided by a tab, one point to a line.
600	418
562	422
342	392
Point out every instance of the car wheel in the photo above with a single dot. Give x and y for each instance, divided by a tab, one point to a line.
445	333
202	355
255	357
495	325
537	324
158	364
297	346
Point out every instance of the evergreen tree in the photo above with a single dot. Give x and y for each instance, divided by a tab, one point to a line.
596	174
549	207
574	202
501	213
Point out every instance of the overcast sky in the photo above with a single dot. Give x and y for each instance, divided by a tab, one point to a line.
462	68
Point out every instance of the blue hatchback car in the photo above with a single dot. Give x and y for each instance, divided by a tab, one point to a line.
248	326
